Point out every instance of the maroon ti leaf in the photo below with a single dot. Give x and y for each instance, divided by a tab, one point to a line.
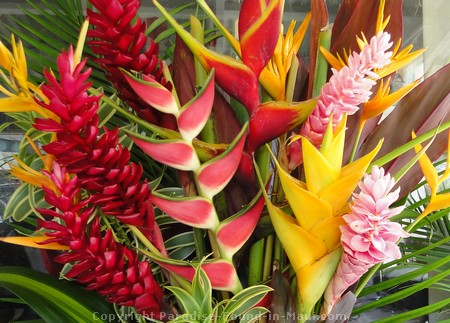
421	110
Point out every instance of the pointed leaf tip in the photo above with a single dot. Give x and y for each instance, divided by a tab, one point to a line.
214	175
178	154
194	211
196	112
235	231
153	93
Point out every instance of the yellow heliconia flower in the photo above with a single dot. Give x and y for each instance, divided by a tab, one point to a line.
383	99
20	93
274	75
31	176
437	201
311	239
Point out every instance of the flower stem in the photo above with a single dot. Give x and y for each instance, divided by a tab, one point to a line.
355	144
267	267
256	258
321	72
410	145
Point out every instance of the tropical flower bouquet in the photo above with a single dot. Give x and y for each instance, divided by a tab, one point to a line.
168	181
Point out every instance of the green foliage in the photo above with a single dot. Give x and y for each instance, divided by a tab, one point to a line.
198	305
55	300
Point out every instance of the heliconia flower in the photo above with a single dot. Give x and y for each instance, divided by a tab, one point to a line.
240	78
259	28
273	77
221	272
102	165
119	38
272	119
233	232
368	237
311	239
19	91
383	99
438	201
98	261
29	175
214	175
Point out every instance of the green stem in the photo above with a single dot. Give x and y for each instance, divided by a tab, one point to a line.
144	240
321	72
259	260
410	145
355	144
278	253
268	263
256	258
366	278
199	240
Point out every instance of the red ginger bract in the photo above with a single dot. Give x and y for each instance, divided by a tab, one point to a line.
102	165
99	262
119	39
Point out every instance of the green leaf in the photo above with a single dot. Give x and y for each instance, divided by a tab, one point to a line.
52	299
188	301
408	316
253	314
245	300
402	294
23	202
202	291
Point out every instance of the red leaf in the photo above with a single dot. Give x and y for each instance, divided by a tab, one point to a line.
421	110
355	17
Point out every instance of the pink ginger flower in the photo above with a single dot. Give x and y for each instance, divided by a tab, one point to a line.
345	91
369	237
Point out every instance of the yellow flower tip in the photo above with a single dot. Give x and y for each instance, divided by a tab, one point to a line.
427	168
34	242
335	62
80	44
383	100
380	18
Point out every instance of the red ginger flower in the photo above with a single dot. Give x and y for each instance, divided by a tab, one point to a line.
102	165
369	237
119	39
109	268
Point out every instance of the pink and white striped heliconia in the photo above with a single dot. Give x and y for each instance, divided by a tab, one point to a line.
346	90
368	237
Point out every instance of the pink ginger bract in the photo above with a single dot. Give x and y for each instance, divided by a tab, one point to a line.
345	91
369	237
